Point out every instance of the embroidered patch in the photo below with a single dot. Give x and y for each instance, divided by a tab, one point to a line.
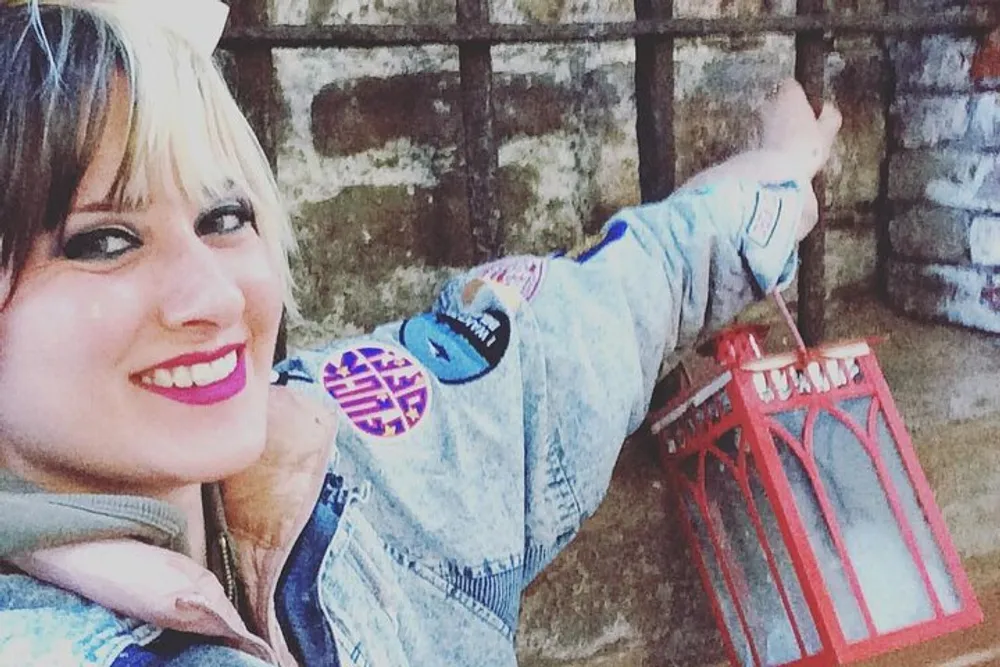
458	347
381	389
522	272
613	233
764	220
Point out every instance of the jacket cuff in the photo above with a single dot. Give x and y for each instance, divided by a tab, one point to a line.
767	240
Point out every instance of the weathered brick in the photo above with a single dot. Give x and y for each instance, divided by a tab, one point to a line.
922	122
910	171
850	259
730	8
718	94
353	244
966	295
984	130
368	112
926	6
937	62
933	233
984	240
977	188
854	79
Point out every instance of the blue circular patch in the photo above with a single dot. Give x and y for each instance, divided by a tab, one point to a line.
458	347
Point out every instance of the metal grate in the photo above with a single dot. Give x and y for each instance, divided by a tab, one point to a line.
250	39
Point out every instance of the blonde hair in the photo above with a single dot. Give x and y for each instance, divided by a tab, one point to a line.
67	59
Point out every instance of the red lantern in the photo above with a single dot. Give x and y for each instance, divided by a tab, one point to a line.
812	523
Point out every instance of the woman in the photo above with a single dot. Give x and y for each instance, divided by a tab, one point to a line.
386	500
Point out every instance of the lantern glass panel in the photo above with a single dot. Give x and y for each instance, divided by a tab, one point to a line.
722	597
789	580
756	591
852	623
794	422
944	586
890	580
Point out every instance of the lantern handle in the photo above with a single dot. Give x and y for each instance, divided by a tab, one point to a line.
787	316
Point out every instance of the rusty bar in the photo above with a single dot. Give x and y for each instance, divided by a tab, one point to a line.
254	82
476	68
654	104
254	87
884	209
810	61
257	37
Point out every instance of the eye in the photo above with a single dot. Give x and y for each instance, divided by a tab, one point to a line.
102	244
226	219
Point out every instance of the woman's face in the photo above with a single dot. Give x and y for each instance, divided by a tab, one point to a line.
135	354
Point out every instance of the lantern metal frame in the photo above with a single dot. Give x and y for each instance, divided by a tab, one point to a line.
747	394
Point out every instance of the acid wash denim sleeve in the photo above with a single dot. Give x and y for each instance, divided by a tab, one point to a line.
475	438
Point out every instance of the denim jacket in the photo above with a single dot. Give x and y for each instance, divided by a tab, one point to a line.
471	443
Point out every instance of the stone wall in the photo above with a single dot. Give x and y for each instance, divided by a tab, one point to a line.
944	181
369	158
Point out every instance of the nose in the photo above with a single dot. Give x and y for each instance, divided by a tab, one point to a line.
199	291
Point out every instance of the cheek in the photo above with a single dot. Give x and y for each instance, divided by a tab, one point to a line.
73	321
263	292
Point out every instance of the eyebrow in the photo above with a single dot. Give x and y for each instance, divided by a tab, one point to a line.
109	205
105	206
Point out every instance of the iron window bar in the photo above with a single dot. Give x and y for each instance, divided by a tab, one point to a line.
258	37
251	40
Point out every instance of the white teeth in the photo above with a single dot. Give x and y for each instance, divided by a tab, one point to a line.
198	375
163	378
201	374
182	377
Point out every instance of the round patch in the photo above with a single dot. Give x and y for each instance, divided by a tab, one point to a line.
381	389
458	347
522	272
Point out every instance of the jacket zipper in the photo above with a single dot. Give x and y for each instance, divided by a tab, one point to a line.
229	571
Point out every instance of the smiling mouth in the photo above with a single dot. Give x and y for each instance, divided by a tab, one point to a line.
203	382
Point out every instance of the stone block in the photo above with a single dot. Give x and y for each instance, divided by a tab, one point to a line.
854	81
922	122
718	93
911	171
933	233
984	130
850	259
966	295
975	187
926	6
984	240
374	253
730	8
936	62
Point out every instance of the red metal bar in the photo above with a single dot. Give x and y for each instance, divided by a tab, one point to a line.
773	478
826	508
683	485
742	478
922	488
724	565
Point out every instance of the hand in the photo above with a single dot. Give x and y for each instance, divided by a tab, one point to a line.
795	146
790	127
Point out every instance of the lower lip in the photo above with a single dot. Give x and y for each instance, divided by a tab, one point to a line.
210	394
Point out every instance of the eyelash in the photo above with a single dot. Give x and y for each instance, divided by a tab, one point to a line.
93	245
